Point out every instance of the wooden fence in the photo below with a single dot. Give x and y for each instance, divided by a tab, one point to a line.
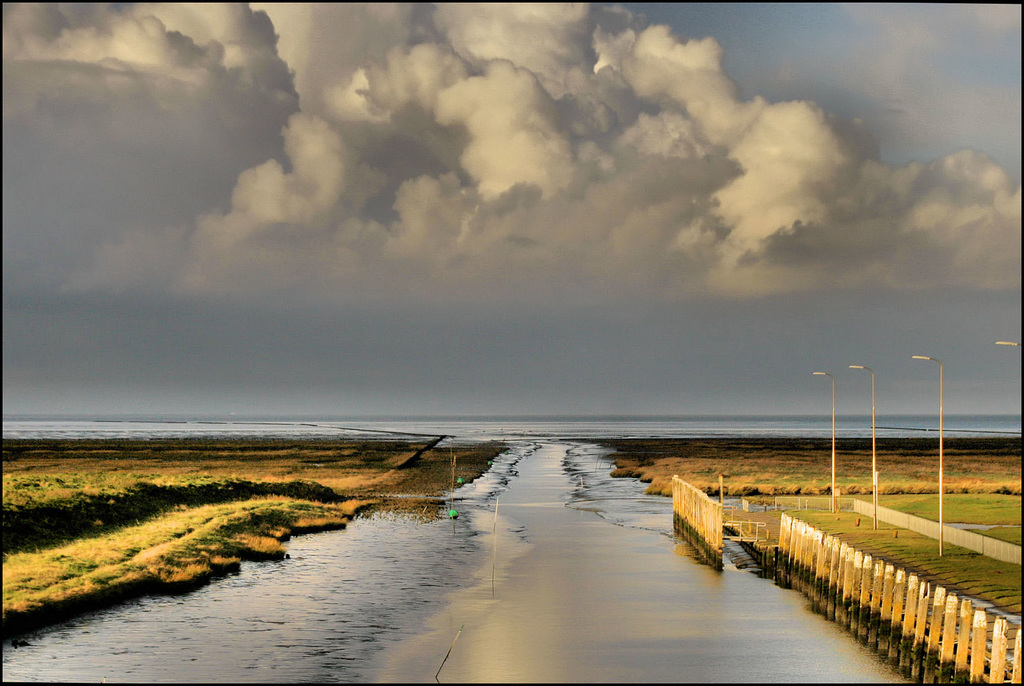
699	518
932	635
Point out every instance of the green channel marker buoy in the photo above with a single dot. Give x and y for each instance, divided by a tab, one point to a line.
460	480
453	513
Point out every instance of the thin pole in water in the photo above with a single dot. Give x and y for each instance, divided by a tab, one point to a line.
449	652
494	532
451	500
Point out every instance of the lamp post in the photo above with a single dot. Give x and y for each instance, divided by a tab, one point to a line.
922	357
833	509
1007	343
874	453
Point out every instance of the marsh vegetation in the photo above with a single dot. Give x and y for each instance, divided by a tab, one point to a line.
802	466
90	522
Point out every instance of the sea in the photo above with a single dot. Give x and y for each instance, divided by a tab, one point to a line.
490	428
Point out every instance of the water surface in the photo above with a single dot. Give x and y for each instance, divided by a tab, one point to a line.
588	585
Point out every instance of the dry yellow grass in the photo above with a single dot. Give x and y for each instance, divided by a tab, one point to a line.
262	546
177	550
803	466
80	500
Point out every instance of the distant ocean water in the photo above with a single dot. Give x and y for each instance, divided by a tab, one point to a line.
483	428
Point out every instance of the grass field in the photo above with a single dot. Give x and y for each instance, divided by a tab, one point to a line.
87	523
1003	512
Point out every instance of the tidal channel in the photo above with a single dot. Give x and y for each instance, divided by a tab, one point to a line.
553	572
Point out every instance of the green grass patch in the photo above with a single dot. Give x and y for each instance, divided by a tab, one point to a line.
968	508
1010	534
1003	512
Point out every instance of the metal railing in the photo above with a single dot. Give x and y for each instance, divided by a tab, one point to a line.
747	530
821	502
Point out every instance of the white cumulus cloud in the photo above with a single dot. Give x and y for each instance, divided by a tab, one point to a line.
461	151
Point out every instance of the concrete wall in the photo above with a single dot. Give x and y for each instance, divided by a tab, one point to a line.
1003	551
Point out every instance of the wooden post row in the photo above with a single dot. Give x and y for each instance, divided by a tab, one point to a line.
928	632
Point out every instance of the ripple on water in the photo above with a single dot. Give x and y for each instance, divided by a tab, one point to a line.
346	598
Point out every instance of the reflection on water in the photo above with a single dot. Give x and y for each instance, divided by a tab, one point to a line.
604	599
592	591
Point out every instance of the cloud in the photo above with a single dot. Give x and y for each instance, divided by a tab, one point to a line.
939	75
550	40
513	133
120	131
502	152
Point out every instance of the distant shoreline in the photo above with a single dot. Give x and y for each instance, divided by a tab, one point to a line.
489	427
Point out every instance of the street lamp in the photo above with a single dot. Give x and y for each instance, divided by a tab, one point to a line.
833	435
922	357
1007	343
874	453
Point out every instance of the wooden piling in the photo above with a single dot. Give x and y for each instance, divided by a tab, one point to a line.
885	611
782	554
867	574
1015	678
843	588
931	634
963	642
947	641
834	570
979	636
909	622
804	553
919	650
931	657
899	595
699	518
875	606
797	575
855	577
997	666
820	592
820	574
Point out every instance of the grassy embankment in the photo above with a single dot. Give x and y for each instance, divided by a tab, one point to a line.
982	482
89	523
958	569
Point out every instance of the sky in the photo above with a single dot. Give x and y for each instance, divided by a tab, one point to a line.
434	209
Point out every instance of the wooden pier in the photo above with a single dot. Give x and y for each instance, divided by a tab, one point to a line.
932	635
698	518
